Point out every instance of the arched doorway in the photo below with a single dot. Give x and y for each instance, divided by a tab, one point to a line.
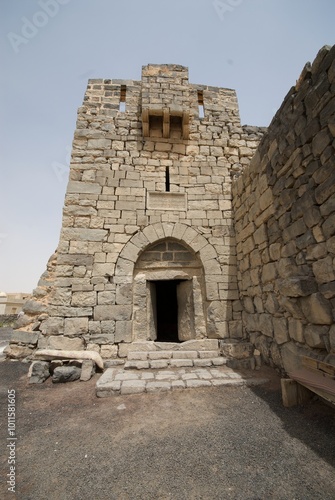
168	293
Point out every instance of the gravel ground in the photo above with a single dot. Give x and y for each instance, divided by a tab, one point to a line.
211	443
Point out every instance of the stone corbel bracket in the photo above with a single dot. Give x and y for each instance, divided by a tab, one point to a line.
166	113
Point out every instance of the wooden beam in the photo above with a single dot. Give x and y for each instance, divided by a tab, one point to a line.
293	393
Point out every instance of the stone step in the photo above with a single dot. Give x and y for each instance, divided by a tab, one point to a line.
189	345
117	381
170	354
155	364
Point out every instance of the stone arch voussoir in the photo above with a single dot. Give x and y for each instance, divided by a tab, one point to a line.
156	232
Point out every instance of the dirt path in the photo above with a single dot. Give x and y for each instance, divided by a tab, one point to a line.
212	443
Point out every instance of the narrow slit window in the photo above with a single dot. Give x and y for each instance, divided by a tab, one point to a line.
123	92
167	179
201	104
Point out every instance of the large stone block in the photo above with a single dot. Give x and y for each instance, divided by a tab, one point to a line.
123	332
217	330
297	286
124	294
21	337
291	355
260	235
315	336
108	351
317	309
101	144
61	343
199	345
106	298
17	352
113	312
321	141
269	272
52	326
34	307
296	330
84	234
83	187
235	329
87	370
323	270
63	374
236	350
75	326
38	372
75	259
61	297
70	312
103	338
280	330
84	299
265	324
107	327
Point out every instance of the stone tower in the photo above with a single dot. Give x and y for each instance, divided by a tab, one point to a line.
147	247
182	226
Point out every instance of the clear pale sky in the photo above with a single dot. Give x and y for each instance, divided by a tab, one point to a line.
49	49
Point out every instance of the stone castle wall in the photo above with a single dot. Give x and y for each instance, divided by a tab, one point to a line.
154	173
158	192
284	205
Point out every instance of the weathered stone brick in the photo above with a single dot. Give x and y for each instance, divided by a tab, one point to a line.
296	330
84	299
297	286
315	336
280	330
317	309
75	326
112	312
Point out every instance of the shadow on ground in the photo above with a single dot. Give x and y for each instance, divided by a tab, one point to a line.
210	443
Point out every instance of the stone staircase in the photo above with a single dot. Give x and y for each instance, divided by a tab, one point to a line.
173	359
159	369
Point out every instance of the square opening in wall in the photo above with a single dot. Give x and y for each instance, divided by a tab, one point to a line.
176	127
156	126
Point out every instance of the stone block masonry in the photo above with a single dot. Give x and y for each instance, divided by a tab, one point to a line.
182	226
147	247
284	208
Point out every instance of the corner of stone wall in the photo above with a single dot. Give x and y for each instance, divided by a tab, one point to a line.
29	325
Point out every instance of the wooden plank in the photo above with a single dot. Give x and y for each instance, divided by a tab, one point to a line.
315	379
293	393
310	362
323	394
319	366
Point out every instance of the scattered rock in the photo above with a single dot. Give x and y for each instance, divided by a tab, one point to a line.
17	352
38	372
24	337
66	374
87	370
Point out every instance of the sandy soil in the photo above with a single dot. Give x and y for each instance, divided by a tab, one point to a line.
210	443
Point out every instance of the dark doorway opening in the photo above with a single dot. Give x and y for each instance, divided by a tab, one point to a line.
167	310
